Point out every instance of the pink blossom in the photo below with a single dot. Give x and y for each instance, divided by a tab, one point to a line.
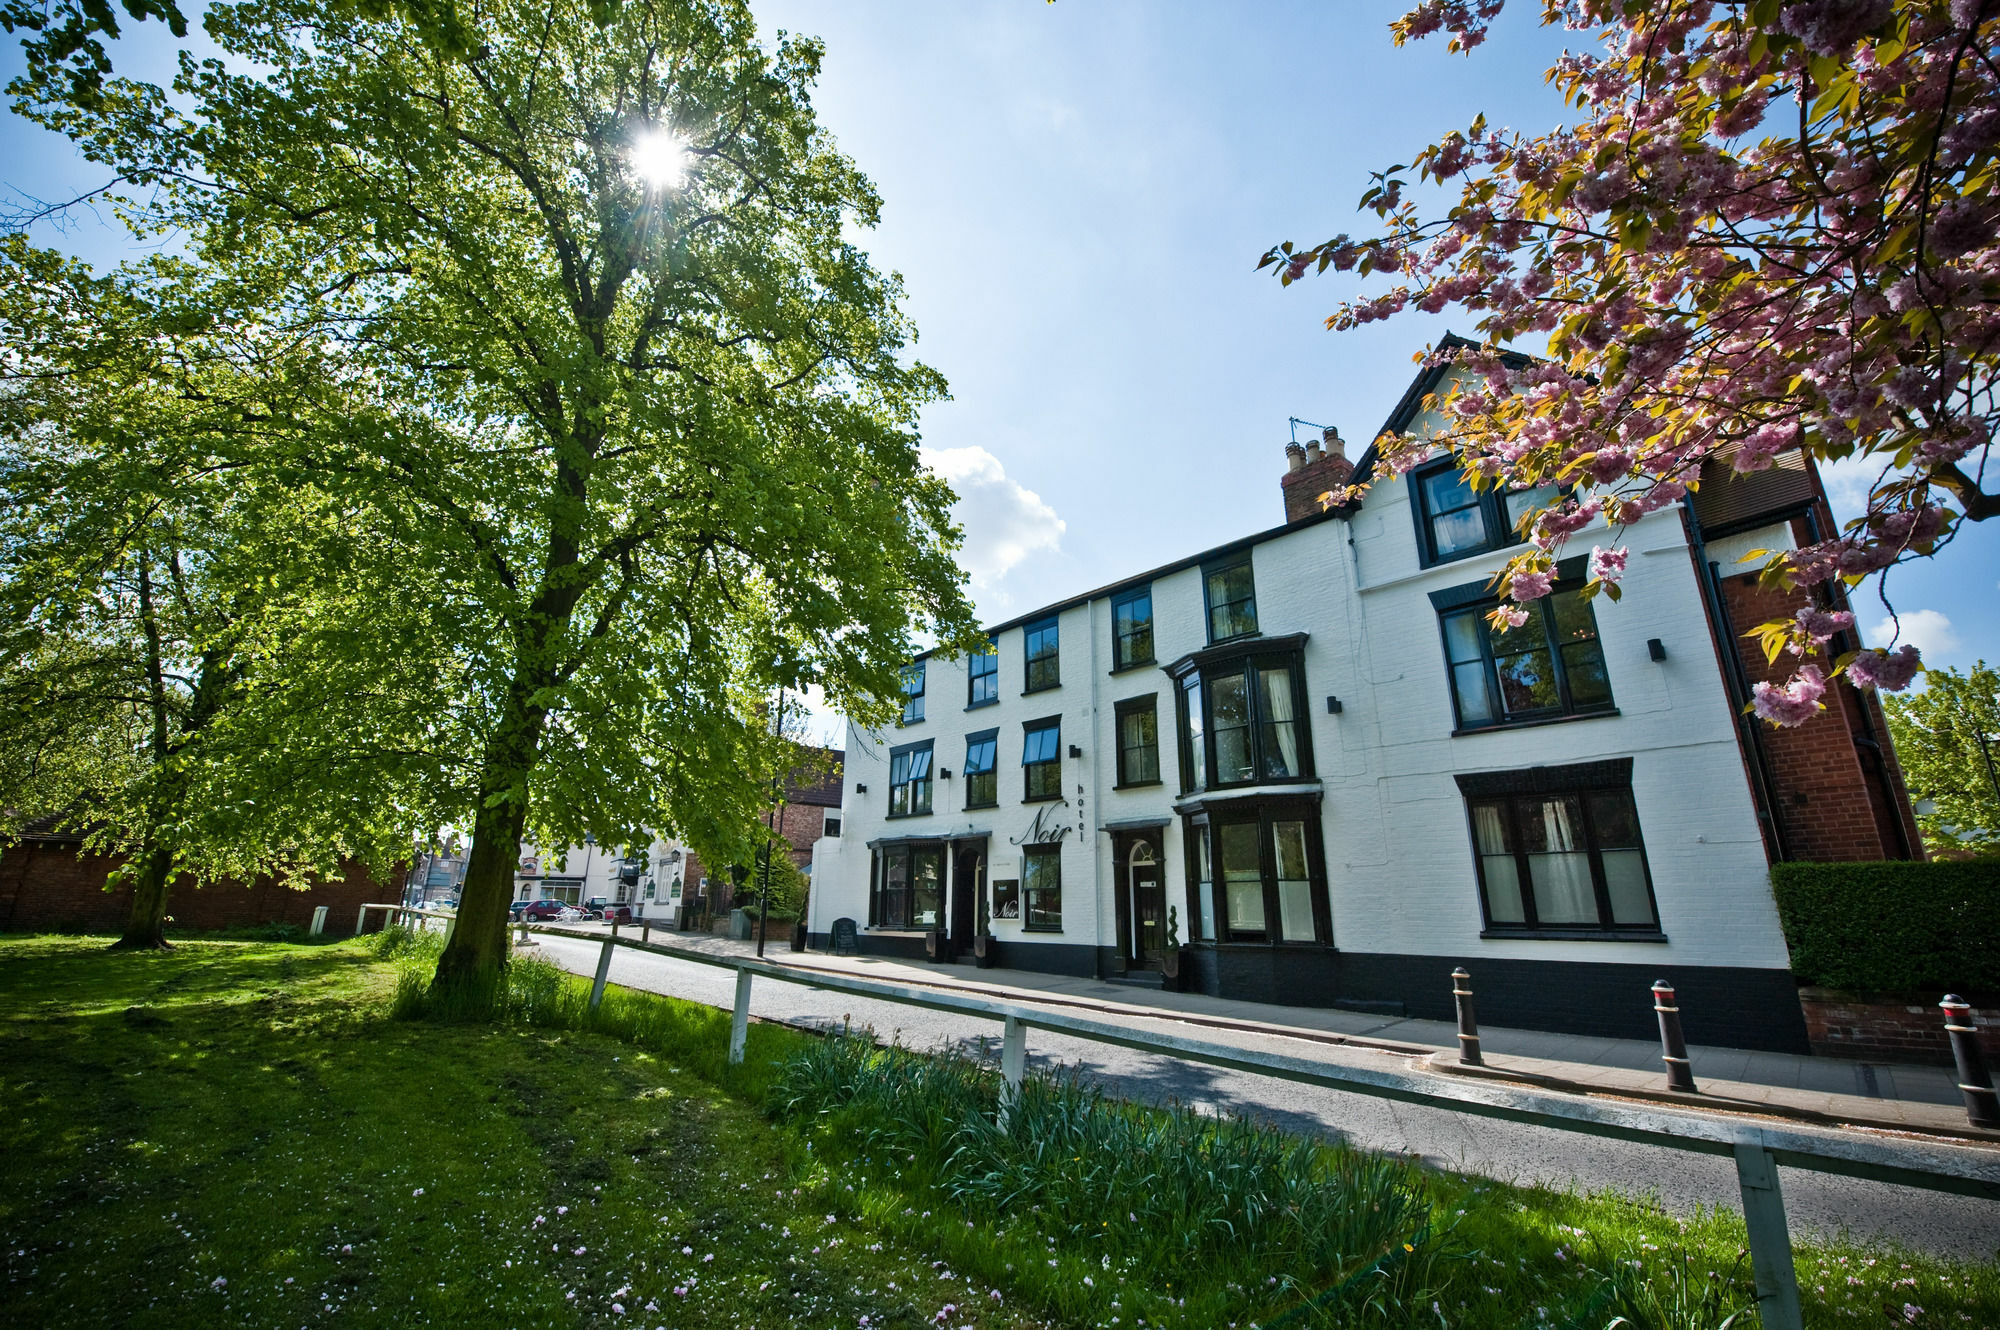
1795	703
1892	670
1819	626
1512	615
1608	565
1529	586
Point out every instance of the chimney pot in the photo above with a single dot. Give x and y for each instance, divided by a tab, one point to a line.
1295	457
1312	452
1334	444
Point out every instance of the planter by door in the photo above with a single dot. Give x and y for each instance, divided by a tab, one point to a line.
1173	975
985	948
935	946
798	937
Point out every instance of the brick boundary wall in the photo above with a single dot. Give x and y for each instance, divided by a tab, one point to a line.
49	884
1881	1028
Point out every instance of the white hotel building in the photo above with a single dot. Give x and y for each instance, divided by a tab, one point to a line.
1308	752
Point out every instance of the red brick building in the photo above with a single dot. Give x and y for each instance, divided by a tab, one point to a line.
47	881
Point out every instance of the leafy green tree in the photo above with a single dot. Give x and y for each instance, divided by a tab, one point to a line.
645	411
1945	737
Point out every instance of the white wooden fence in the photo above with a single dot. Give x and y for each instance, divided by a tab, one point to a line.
1758	1148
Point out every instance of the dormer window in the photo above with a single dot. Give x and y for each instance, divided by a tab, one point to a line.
1455	521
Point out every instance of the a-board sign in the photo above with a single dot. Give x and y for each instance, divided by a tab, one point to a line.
844	940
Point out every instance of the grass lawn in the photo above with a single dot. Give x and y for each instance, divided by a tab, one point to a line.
237	1134
245	1133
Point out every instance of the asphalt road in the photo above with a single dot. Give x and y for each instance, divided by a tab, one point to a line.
1817	1203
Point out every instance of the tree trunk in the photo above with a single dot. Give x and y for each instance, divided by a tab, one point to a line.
473	966
146	929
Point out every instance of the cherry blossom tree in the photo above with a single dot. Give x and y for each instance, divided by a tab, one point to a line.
1770	226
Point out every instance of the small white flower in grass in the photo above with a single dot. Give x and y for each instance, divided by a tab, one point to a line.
680	1290
617	1309
579	1251
218	1282
418	1192
706	1259
687	1251
562	1209
347	1250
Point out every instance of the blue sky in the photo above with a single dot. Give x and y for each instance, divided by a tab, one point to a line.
1076	195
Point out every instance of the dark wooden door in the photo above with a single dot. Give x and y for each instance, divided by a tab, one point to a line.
968	872
1149	902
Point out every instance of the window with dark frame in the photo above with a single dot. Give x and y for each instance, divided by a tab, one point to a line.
910	780
1562	861
1231	595
1454	520
907	880
982	679
913	692
1042	649
1132	629
1138	741
982	776
1257	874
1242	722
1041	888
1041	759
1550	666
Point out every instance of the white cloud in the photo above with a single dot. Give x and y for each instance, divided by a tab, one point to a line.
1930	630
1004	523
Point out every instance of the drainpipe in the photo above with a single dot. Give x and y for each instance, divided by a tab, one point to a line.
1736	683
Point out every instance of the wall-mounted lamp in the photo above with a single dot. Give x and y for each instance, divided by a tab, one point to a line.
861	789
1656	648
944	773
1074	751
1333	706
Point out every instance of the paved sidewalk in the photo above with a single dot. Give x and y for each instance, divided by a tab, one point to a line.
1825	1090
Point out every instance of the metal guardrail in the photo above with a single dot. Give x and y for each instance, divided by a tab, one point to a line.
1758	1149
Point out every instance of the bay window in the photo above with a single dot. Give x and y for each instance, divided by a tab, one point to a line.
907	882
1257	873
1241	719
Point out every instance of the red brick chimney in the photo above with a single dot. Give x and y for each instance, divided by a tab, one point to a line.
1317	468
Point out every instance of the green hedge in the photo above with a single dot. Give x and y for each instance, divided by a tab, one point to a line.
1919	928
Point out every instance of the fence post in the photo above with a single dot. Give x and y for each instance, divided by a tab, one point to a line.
739	1019
603	971
1013	1063
1673	1048
319	921
1468	1022
360	918
646	931
1975	1082
1770	1239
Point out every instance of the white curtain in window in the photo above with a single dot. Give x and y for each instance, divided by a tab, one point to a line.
1278	713
1563	890
1503	876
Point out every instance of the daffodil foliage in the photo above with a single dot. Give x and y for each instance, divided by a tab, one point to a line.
201	663
1771	225
639	413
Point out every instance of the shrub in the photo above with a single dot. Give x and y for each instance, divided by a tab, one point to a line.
1895	927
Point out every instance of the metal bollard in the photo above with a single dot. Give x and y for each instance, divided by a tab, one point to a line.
646	931
603	973
614	927
1468	1023
1975	1082
1673	1048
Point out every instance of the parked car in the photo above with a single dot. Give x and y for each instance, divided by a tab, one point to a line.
543	912
617	914
594	907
